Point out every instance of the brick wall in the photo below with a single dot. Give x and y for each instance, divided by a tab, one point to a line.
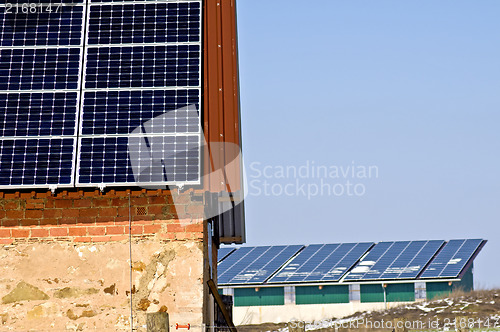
93	216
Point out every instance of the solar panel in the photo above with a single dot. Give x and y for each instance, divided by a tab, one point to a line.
59	27
38	114
395	260
117	82
146	23
39	69
134	160
452	259
36	161
327	262
224	252
121	112
253	265
137	67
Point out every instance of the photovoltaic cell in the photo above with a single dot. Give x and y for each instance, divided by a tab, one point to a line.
395	260
452	259
122	112
61	28
254	265
36	161
145	23
325	262
38	114
143	66
223	253
39	69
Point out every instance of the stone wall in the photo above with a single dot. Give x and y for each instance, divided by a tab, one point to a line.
68	286
65	260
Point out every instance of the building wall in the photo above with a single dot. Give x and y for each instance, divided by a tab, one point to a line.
259	297
400	292
372	293
65	259
442	289
327	294
303	312
312	303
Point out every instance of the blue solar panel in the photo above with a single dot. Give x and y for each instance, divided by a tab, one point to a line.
39	69
64	2
143	66
145	23
139	159
327	262
36	161
395	260
254	265
122	112
38	114
62	26
452	259
223	253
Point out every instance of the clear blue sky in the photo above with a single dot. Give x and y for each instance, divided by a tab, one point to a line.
411	87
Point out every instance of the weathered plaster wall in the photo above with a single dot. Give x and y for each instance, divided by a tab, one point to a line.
86	286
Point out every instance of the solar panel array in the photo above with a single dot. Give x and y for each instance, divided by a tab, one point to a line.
452	259
100	92
401	260
40	61
395	260
254	264
326	262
